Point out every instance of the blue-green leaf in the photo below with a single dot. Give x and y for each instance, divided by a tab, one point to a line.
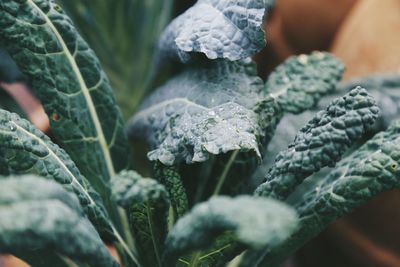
299	82
255	222
230	29
67	77
370	170
39	215
209	109
320	143
146	203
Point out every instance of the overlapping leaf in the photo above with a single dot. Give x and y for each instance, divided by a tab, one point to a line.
230	29
299	82
209	109
24	149
39	215
372	169
321	142
146	203
254	221
127	30
67	77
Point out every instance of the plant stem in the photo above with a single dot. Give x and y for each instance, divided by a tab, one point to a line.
225	172
195	259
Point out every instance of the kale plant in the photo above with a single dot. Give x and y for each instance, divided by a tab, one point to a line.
209	127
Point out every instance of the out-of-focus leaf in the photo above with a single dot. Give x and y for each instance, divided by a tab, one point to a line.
370	170
254	221
299	82
209	109
127	30
67	77
37	214
8	103
320	143
230	29
146	203
9	71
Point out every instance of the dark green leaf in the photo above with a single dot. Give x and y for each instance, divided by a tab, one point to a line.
320	143
255	222
372	169
37	214
299	82
169	176
27	150
210	109
146	203
67	77
127	30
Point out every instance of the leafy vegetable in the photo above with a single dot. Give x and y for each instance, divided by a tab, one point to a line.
146	202
208	109
24	149
370	170
321	142
9	71
169	176
255	222
67	77
301	81
47	218
127	30
207	128
230	29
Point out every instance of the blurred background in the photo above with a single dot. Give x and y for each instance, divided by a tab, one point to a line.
365	34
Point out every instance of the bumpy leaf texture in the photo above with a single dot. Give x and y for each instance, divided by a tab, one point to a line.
320	143
255	222
230	29
299	82
370	170
146	202
24	149
39	215
169	176
67	77
208	109
385	89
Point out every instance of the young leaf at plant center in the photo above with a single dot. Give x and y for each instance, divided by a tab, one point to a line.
255	222
66	76
37	214
299	82
230	29
206	110
171	179
24	149
320	143
146	203
368	171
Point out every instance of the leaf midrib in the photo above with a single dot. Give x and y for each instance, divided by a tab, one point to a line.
84	89
75	180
